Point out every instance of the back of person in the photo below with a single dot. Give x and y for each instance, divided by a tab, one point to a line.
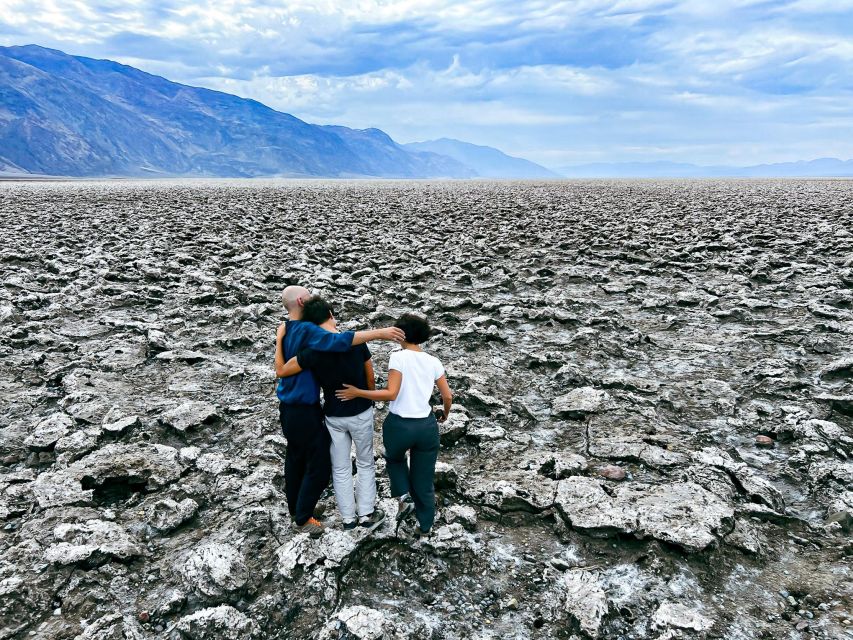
303	388
332	370
420	371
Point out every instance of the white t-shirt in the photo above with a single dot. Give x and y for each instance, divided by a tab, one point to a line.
420	371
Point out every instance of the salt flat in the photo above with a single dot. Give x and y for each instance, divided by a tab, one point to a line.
591	330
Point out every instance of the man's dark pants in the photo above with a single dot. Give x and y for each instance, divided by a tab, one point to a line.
307	466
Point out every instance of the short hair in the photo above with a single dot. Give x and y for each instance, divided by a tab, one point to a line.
291	295
316	310
416	328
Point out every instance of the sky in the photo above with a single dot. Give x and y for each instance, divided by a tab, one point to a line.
705	81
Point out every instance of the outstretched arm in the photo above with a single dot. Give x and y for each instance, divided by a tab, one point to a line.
395	379
388	333
320	339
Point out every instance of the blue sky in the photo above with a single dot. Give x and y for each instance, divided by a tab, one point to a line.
705	81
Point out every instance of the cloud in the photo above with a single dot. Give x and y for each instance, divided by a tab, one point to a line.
558	81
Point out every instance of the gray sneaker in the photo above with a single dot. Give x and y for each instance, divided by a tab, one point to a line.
372	520
405	506
313	528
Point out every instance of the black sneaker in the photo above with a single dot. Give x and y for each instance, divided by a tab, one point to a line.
349	525
405	506
372	520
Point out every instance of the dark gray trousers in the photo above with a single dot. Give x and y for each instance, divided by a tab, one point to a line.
418	436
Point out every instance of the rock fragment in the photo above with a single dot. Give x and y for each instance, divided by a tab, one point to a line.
217	623
585	600
191	414
48	431
214	569
93	542
678	616
579	402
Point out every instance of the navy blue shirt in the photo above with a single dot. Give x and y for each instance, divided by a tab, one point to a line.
303	387
332	370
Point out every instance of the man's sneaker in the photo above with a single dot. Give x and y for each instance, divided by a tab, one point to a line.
417	534
349	525
405	506
313	528
372	520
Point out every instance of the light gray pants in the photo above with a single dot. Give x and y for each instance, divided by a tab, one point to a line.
346	431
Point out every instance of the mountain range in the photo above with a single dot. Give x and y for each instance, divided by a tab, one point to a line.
488	162
64	115
75	116
822	167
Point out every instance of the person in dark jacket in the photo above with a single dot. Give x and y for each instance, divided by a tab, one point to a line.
307	467
348	423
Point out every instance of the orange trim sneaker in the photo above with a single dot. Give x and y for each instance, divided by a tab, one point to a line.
312	527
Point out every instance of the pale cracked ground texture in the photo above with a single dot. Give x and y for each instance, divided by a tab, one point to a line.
589	329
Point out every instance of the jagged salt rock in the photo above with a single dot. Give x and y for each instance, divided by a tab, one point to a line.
94	541
217	623
48	431
679	616
190	414
579	402
364	623
214	569
148	466
585	600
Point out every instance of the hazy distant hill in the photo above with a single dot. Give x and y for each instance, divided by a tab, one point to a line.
75	116
486	161
822	167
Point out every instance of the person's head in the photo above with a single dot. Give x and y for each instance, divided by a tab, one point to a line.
416	328
317	310
293	298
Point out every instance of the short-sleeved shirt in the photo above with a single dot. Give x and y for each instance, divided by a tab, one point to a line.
420	371
332	370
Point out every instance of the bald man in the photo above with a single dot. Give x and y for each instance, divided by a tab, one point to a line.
307	465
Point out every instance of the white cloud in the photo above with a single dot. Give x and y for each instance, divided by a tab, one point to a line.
559	81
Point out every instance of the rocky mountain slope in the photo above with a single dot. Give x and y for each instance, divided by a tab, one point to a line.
487	162
653	434
75	116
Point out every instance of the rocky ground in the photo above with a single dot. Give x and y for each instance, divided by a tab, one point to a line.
652	439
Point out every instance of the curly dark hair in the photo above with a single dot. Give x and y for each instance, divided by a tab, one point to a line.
416	328
316	310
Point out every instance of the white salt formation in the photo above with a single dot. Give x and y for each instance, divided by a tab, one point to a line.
652	437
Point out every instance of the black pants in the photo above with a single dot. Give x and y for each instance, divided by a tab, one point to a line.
307	466
418	436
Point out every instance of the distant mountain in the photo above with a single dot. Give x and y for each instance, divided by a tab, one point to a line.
486	161
76	116
822	167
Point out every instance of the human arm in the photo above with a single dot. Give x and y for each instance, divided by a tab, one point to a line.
289	368
320	339
279	350
446	396
392	334
395	379
369	375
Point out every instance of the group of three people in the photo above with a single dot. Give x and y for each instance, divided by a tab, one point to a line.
311	353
